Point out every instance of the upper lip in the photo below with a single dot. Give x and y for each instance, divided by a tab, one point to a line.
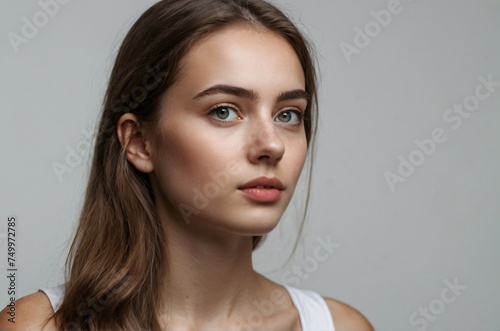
264	181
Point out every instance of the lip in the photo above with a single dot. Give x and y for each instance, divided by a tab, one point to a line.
274	183
263	189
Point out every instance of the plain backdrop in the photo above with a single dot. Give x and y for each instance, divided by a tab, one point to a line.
386	86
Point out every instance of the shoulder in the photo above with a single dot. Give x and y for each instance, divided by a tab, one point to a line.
347	318
29	313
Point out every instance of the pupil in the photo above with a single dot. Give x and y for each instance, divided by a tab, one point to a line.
223	113
285	117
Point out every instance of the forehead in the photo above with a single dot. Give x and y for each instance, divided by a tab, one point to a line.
243	56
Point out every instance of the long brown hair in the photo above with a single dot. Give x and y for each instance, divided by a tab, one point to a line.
117	259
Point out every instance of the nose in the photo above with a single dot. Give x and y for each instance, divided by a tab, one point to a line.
265	144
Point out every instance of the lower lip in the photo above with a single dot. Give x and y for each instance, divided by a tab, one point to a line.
262	194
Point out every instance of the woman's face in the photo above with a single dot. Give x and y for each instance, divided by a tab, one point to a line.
232	142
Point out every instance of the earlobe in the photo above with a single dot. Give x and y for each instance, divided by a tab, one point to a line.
137	148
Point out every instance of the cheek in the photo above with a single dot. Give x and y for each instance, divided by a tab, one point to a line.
297	154
184	160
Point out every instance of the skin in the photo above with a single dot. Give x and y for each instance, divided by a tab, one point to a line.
212	284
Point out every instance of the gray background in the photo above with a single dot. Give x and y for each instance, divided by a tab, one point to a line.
395	250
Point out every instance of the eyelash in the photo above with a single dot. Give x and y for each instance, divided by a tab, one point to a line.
300	114
219	106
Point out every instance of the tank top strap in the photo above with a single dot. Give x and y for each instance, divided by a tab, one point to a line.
313	311
55	295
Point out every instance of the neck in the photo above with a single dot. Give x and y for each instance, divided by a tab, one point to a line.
210	274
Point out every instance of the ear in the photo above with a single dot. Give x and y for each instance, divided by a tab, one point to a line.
137	148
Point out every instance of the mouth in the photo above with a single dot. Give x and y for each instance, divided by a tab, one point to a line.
263	189
263	183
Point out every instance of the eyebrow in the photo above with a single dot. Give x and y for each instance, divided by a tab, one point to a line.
251	94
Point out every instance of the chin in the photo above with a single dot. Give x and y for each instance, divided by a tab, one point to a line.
266	221
259	228
251	223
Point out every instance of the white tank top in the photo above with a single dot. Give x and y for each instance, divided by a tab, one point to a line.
313	311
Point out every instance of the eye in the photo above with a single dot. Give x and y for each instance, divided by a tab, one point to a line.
290	117
224	113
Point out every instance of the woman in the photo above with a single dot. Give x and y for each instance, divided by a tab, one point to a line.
207	120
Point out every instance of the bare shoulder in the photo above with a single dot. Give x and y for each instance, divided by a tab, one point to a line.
29	313
347	318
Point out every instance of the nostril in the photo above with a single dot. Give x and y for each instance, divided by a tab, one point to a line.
264	157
